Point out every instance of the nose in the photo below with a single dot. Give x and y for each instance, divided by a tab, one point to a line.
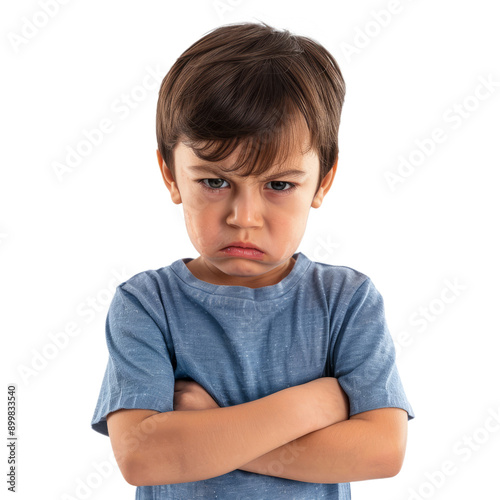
245	210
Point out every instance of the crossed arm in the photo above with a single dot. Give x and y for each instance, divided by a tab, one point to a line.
369	445
325	447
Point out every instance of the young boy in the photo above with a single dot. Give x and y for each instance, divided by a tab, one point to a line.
250	372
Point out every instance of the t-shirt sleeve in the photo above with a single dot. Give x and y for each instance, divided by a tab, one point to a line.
364	356
139	372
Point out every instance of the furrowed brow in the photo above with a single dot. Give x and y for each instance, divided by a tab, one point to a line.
288	173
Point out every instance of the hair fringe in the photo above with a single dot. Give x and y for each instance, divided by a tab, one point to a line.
251	86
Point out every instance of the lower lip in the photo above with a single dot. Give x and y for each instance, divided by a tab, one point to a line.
248	253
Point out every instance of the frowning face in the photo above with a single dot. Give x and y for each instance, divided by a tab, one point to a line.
268	212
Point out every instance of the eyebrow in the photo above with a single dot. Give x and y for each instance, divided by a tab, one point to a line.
206	168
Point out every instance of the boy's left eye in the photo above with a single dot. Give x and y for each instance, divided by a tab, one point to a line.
218	187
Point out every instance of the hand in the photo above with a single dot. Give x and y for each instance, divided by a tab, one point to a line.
330	402
189	395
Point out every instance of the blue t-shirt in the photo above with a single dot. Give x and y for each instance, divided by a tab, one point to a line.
243	344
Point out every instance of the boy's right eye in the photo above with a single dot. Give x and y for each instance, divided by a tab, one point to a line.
214	189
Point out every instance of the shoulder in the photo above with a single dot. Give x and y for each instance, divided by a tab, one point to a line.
146	285
337	278
343	288
141	298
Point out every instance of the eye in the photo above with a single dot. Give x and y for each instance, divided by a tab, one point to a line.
292	186
218	187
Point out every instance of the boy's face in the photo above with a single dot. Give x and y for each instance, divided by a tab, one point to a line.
267	213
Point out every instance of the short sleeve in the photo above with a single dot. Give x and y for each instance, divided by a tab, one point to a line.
139	372
364	356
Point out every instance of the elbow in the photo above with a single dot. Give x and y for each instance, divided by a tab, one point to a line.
136	473
393	468
137	438
392	461
394	452
127	467
140	471
133	477
132	467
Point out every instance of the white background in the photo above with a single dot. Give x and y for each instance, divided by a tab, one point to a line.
64	238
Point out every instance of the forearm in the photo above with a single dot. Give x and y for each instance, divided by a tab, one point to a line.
351	450
194	445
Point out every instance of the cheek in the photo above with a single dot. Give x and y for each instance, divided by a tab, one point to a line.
201	222
195	229
288	216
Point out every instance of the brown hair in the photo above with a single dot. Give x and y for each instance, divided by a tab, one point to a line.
250	84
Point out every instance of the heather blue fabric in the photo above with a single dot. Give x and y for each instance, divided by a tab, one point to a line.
242	344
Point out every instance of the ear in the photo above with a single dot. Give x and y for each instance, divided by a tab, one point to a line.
169	180
325	186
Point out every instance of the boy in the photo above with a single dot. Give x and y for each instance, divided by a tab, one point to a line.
250	372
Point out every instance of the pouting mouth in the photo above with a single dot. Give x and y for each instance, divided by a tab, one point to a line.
241	244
